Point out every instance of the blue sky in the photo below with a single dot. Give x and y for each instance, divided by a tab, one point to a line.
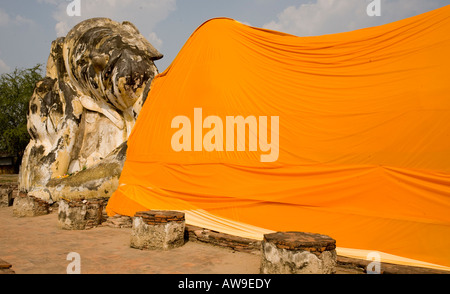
27	27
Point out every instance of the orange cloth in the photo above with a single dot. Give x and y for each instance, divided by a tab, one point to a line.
364	134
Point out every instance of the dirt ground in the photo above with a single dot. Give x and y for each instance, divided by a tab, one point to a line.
37	246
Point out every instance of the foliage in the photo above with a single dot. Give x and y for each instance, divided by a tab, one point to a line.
16	89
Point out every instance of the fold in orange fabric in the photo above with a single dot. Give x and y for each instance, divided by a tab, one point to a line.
345	134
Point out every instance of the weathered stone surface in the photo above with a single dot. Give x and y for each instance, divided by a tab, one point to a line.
99	181
301	241
7	194
96	82
28	205
152	217
5	197
80	214
157	230
236	243
118	221
298	253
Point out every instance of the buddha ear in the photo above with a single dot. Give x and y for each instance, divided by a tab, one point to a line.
130	26
154	53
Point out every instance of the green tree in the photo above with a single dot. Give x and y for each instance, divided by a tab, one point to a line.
16	89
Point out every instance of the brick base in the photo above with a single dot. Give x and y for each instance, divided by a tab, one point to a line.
157	230
27	205
240	244
118	221
80	214
298	253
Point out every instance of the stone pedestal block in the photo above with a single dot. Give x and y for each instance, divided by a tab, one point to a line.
80	214
157	229
298	253
5	196
28	205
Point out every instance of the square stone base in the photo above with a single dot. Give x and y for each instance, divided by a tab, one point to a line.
298	253
282	261
27	205
159	236
80	214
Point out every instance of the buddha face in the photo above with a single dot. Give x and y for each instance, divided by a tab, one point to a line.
112	60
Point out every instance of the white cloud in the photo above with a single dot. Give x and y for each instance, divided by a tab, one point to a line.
23	20
145	14
245	22
333	16
155	40
7	20
4	68
4	17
